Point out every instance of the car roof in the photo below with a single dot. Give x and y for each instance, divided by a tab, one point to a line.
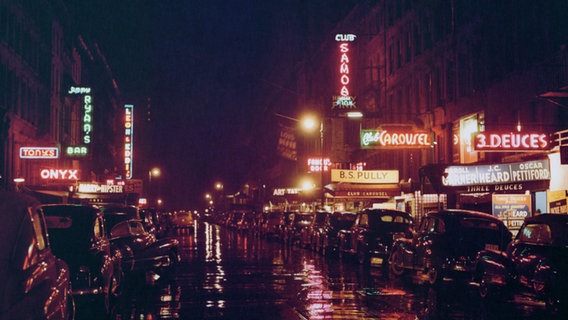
548	218
70	209
456	213
387	211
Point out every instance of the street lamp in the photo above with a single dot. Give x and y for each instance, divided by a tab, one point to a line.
154	172
310	123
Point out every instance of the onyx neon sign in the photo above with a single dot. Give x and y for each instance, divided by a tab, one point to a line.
59	174
511	141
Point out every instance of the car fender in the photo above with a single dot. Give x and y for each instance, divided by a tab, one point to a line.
494	266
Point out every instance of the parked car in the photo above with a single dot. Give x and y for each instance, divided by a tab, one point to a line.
373	233
77	235
247	221
272	224
535	262
183	220
35	284
307	239
294	230
446	244
234	218
141	250
325	238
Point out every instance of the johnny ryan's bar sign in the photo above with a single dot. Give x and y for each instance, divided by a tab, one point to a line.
457	176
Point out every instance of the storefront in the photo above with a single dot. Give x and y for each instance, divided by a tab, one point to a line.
506	190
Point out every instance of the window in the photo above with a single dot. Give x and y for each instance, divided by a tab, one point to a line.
536	233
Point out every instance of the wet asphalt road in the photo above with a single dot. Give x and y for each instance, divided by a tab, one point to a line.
227	275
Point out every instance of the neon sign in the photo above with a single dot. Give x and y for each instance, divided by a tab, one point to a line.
316	164
39	153
59	174
511	141
344	100
128	139
87	121
76	151
99	188
395	137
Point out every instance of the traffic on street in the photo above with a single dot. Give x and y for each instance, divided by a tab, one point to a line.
225	273
321	159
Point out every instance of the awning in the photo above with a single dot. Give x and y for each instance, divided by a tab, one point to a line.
364	191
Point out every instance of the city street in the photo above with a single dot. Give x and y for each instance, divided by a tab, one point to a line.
227	275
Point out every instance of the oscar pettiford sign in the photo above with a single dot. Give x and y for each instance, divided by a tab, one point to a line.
509	177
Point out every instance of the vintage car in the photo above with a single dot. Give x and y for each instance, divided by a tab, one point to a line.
325	238
77	235
293	230
141	250
535	262
319	221
272	224
372	234
446	244
34	283
183	220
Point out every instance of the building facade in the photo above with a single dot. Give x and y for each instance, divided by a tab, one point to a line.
439	69
58	100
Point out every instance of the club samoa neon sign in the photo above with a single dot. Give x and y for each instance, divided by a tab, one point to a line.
344	100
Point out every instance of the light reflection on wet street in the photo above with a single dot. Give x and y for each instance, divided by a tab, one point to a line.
228	275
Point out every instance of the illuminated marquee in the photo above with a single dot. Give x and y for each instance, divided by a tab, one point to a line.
511	141
344	100
59	174
506	174
128	139
39	153
316	164
395	137
99	188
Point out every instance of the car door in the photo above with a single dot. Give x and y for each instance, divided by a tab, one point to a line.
428	241
526	250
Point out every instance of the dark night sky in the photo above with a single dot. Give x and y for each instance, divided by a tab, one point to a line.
203	64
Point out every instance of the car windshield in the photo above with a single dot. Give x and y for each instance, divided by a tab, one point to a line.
303	219
63	228
376	220
274	217
320	218
342	221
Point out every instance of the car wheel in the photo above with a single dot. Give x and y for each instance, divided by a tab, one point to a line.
434	275
362	256
483	290
397	263
553	301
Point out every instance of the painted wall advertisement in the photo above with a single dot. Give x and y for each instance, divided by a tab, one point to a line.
512	209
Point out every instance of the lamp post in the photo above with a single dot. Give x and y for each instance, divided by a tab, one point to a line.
154	172
310	123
